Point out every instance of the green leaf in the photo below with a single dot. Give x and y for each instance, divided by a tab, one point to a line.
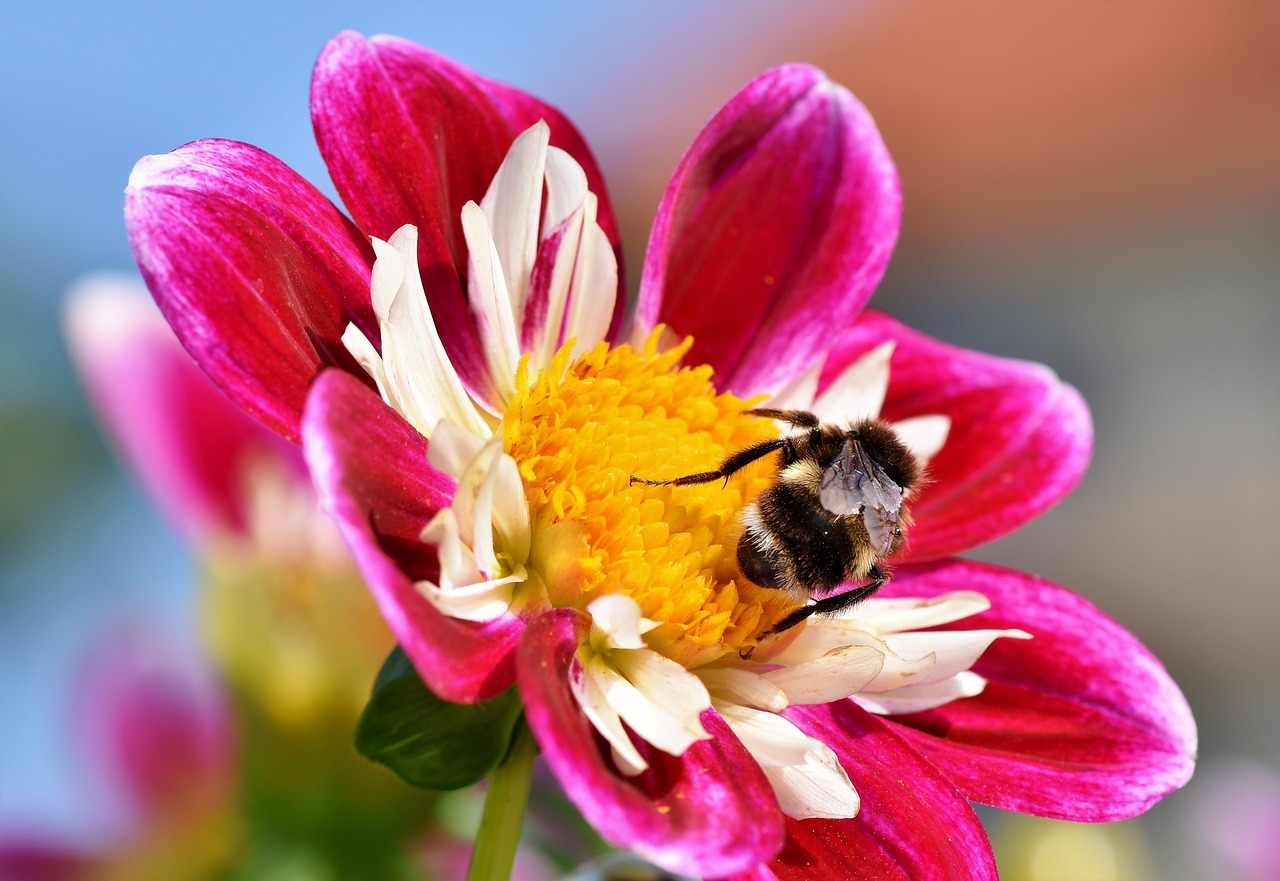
428	741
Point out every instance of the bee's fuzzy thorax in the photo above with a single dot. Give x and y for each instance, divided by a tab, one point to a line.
882	443
806	473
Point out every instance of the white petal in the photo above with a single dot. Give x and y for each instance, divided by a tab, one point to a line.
825	634
668	685
463	592
743	687
835	675
427	387
924	435
452	448
387	278
664	717
602	715
889	615
805	774
457	563
858	392
566	189
367	356
510	509
899	671
953	650
594	289
799	394
617	617
482	544
478	601
491	303
513	204
919	698
473	476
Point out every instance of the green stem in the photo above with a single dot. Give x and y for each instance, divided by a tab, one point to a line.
494	852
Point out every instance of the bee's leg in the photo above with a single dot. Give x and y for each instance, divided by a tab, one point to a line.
733	463
831	604
798	418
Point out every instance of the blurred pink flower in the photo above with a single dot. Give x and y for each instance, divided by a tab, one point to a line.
511	549
1234	820
160	740
284	612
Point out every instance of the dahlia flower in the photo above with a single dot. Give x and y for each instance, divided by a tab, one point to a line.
472	403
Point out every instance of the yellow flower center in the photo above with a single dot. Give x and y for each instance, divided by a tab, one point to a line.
580	431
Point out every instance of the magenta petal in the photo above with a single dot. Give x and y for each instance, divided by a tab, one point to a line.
370	468
913	825
256	271
786	210
708	812
1020	437
410	137
1079	723
186	441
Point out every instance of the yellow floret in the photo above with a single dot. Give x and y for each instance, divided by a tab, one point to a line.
580	431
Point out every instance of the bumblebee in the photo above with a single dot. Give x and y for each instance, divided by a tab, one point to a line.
833	514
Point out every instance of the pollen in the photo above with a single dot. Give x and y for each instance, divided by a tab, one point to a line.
580	431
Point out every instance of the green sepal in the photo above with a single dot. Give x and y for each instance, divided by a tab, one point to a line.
428	741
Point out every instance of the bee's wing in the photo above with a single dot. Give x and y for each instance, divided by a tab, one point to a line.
880	528
881	500
840	490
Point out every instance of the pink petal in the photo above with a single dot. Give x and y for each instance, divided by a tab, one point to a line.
913	824
785	210
1080	722
256	271
370	468
1020	437
186	441
411	136
708	812
156	726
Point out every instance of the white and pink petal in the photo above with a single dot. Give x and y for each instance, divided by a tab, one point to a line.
708	812
1081	722
1019	437
410	136
421	381
371	471
913	825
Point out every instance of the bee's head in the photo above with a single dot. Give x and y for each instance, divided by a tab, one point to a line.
883	445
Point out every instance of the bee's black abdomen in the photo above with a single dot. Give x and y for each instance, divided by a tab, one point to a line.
761	564
818	548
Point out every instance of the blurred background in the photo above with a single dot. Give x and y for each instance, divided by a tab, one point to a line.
1094	185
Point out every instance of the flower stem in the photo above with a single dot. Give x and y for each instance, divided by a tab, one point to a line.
494	852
